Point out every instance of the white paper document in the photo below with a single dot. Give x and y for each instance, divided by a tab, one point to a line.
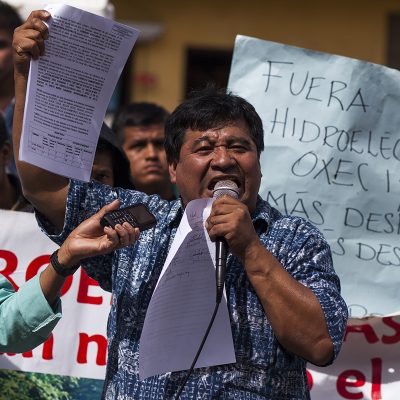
183	302
69	89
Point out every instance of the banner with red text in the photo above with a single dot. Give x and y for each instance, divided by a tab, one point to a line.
78	346
367	368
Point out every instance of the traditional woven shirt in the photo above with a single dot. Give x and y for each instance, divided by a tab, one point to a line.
263	368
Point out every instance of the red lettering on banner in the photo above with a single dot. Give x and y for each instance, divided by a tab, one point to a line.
350	378
11	265
376	379
83	291
48	348
366	329
37	263
309	380
84	341
396	326
355	378
47	353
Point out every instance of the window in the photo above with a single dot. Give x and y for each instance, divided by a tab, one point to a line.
393	48
122	92
207	66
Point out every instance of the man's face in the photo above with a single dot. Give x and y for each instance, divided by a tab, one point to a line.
214	155
144	147
6	55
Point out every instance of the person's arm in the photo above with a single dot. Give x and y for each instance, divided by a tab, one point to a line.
87	240
292	309
28	316
46	191
26	319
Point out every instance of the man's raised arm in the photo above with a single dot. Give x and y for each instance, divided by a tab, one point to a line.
45	190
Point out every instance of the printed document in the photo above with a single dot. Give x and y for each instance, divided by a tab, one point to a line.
183	303
69	89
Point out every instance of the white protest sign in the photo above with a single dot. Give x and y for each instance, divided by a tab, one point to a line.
331	130
78	345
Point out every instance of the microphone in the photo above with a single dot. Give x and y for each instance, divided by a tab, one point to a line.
221	247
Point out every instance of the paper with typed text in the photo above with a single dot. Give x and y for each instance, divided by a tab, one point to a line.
69	89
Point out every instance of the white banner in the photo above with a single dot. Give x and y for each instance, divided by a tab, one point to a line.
78	346
367	368
331	130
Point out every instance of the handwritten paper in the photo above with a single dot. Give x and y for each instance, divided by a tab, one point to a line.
331	130
69	89
183	302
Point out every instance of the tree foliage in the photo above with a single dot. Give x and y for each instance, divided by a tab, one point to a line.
33	386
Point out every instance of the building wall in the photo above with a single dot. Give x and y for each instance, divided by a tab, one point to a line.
356	28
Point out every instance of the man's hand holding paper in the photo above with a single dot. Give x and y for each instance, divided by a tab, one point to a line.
71	79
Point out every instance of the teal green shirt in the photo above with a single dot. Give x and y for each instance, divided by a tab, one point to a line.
26	318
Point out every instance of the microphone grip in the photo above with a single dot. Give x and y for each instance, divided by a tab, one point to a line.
221	254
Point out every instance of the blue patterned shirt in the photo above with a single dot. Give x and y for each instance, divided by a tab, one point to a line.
263	369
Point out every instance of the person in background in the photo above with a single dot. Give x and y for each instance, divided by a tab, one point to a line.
9	20
110	165
10	191
283	295
140	130
28	316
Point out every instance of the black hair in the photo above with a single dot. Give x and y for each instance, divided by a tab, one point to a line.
9	18
141	114
210	108
3	131
121	168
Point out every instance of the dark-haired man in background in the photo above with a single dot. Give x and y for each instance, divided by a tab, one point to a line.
140	130
283	294
9	20
111	166
9	185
